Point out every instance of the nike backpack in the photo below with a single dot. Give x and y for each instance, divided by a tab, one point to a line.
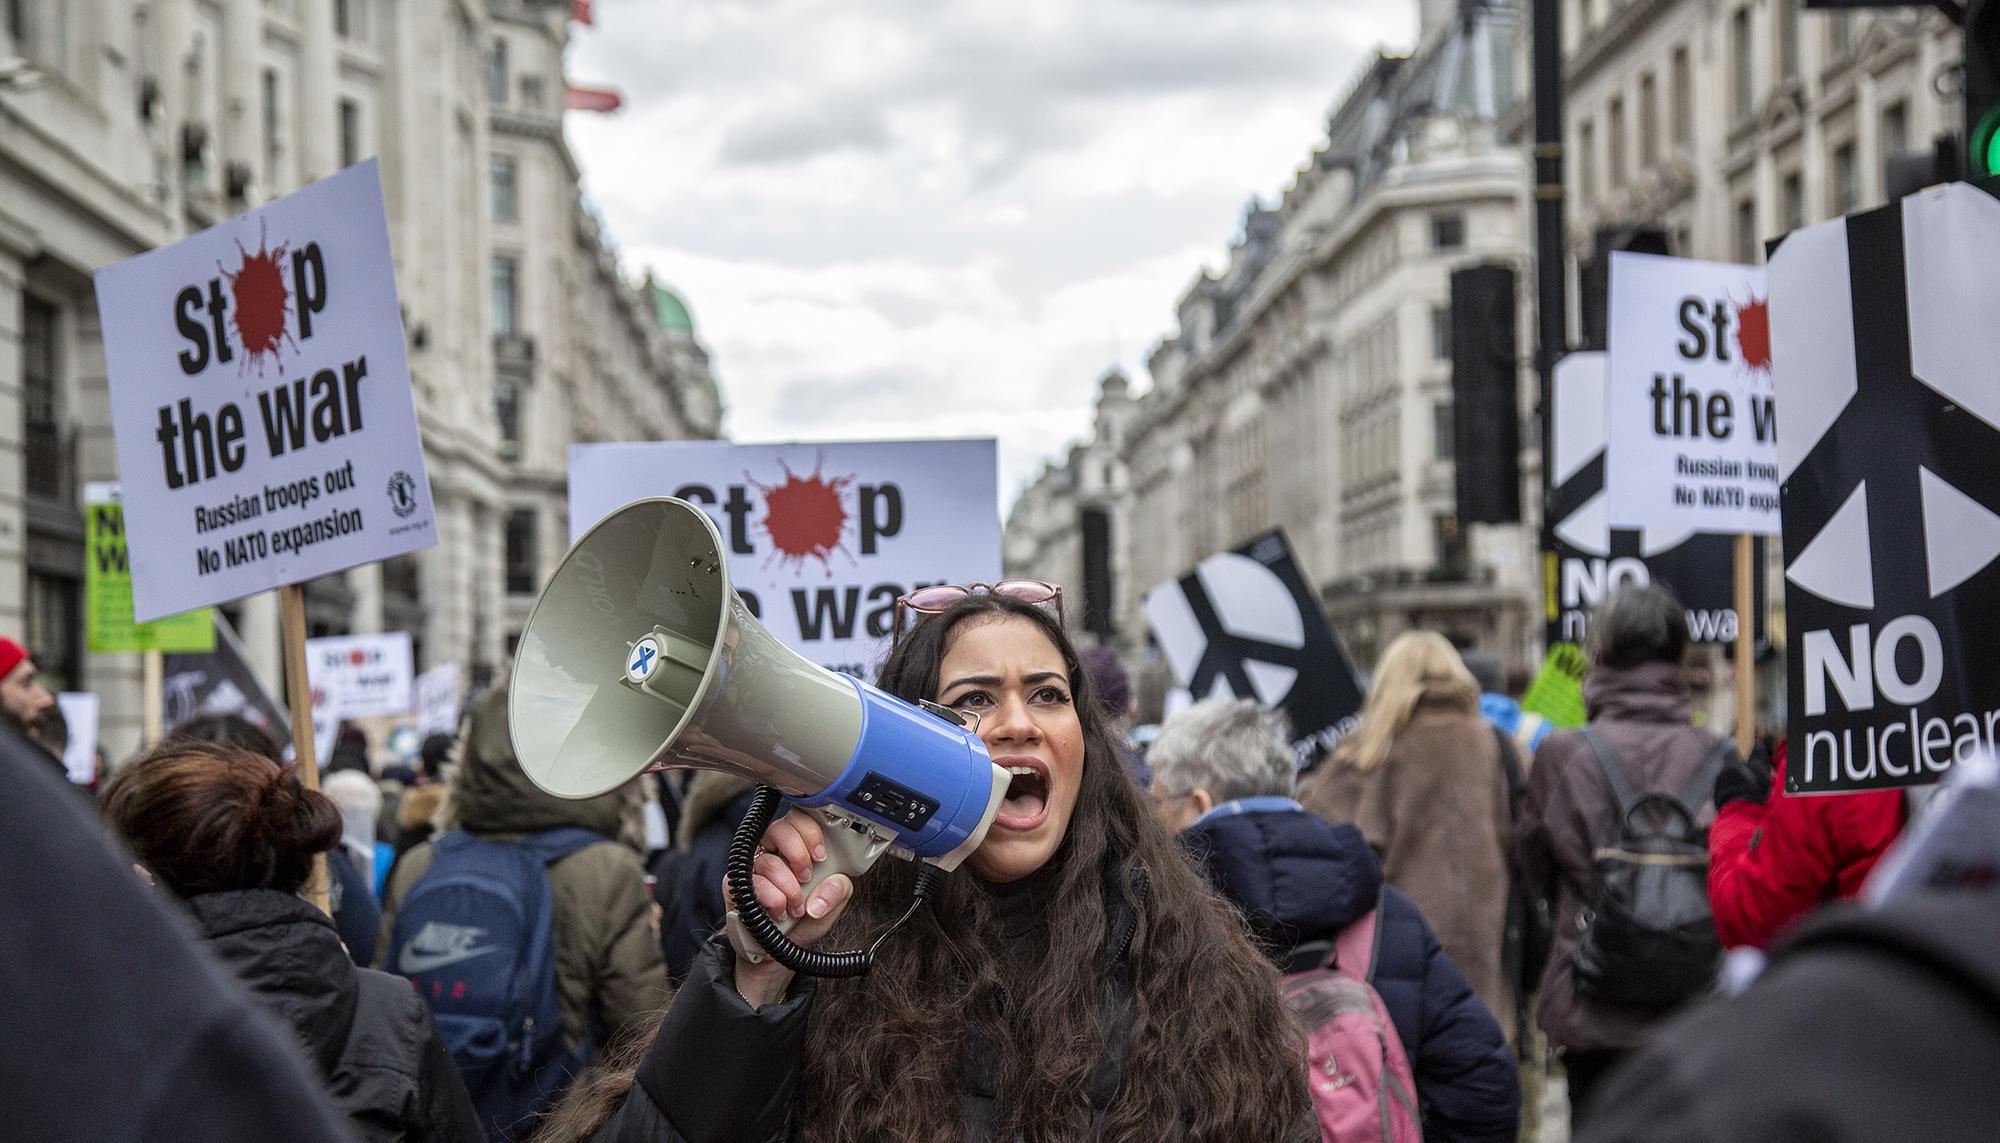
476	936
1648	937
1362	1085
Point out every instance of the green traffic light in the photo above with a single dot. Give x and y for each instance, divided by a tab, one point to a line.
1986	145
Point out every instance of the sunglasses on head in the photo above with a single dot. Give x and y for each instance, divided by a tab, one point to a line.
932	600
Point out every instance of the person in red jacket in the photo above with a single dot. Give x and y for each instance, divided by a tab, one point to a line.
1774	858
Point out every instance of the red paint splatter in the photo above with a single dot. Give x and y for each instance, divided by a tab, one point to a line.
357	657
262	304
805	516
1753	334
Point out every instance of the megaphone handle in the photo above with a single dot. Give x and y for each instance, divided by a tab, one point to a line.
848	850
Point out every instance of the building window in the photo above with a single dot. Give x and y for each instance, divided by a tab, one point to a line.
350	19
1444	442
1844	191
1840	33
1615	142
531	92
507	413
502	172
41	420
506	297
1746	232
17	22
274	146
55	629
1786	14
1795	201
1586	163
350	133
521	571
1449	538
1742	88
1441	333
1447	231
1895	130
496	74
1683	97
1649	121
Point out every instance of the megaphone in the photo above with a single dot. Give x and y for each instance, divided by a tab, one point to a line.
639	656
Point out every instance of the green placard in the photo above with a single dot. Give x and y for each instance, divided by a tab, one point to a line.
1557	692
107	582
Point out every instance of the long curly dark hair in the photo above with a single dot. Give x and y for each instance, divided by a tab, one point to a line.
1210	1056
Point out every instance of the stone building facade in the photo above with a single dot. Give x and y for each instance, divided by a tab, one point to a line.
125	124
1308	385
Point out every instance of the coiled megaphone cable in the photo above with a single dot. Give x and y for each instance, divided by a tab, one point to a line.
811	962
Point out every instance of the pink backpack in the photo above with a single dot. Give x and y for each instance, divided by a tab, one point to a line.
1362	1085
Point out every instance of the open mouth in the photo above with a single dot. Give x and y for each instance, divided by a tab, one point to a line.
1027	801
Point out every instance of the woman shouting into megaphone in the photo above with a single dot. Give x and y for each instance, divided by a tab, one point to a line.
1076	979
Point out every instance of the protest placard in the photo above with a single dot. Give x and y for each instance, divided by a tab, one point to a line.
80	712
1884	338
362	676
1692	424
1586	559
822	538
1246	624
221	682
107	588
1557	690
260	400
435	709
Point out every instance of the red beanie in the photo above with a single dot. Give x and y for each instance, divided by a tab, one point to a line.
11	655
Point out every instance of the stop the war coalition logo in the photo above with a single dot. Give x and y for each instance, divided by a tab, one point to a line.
822	537
261	400
1884	336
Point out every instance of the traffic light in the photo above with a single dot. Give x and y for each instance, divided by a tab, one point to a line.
1982	86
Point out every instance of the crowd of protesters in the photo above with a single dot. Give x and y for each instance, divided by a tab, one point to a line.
1119	960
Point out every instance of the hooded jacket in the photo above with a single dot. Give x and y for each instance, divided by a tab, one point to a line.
1297	878
368	1033
692	904
608	965
1570	812
1771	863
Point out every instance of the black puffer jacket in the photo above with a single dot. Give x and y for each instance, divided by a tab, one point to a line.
369	1033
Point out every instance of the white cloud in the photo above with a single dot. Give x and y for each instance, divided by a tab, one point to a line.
897	218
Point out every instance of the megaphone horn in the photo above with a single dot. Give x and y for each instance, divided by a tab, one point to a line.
640	656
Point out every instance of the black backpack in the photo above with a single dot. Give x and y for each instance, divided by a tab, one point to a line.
1528	928
1648	938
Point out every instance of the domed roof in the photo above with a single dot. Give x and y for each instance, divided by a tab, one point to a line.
669	312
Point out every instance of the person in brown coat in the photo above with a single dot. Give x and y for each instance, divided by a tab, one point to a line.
608	962
1638	702
1421	777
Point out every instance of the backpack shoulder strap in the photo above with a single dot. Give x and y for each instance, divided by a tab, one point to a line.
1702	788
1358	948
1613	769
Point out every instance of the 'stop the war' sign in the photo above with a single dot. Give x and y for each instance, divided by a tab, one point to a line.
260	397
1692	425
1885	340
822	538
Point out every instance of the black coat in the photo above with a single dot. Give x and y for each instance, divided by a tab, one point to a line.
370	1034
719	1071
1865	1026
114	1028
689	888
1298	878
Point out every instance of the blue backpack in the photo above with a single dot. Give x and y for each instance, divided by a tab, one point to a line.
476	936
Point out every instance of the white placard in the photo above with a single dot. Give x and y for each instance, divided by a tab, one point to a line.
360	675
436	705
822	537
260	397
1692	426
79	711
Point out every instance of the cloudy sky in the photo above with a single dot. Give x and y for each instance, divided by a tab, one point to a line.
908	218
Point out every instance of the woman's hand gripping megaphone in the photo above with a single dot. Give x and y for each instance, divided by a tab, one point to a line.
784	879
